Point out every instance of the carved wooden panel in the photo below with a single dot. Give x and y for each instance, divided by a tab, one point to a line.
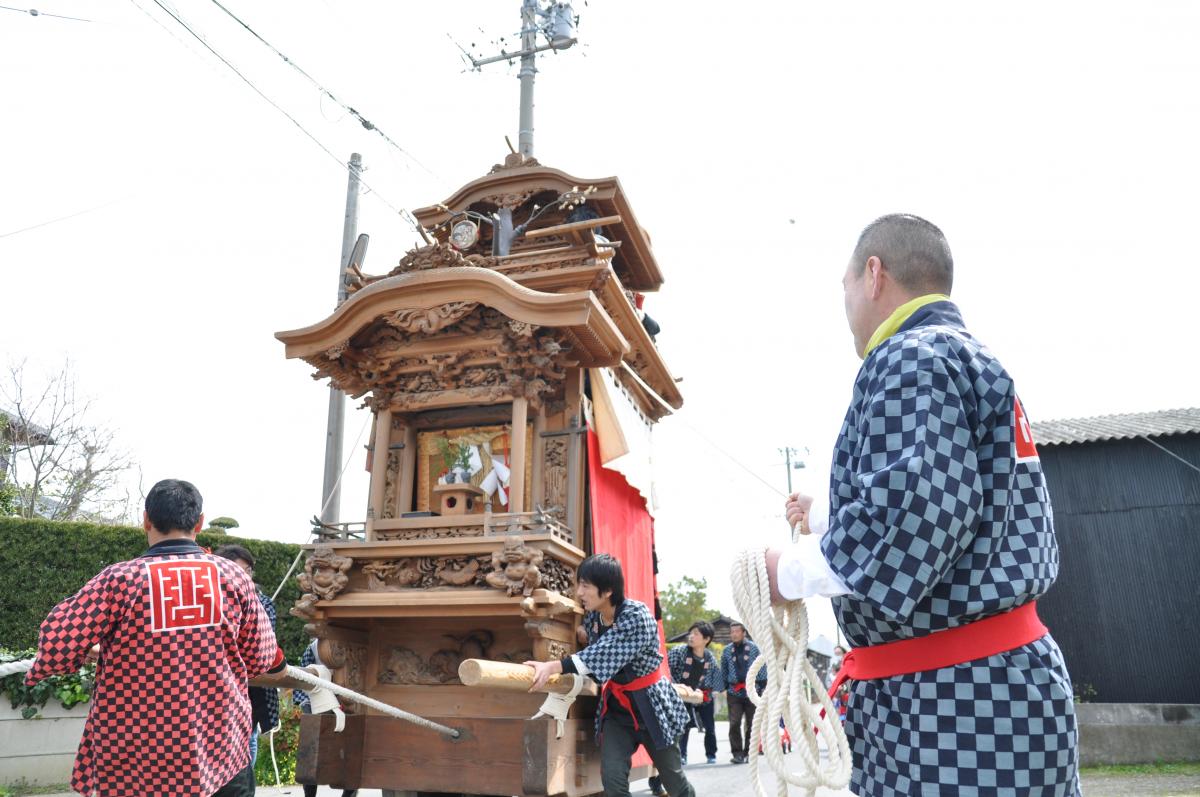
428	651
555	473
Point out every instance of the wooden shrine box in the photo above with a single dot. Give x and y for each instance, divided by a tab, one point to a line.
459	347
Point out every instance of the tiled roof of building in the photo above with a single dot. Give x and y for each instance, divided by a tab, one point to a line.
1117	427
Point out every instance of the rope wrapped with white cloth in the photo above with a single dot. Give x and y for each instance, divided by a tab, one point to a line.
781	633
317	685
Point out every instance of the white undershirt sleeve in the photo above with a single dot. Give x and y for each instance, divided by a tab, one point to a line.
805	573
818	515
580	667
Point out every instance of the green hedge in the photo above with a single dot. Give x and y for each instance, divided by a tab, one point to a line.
42	562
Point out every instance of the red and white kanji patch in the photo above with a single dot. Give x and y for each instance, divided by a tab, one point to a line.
184	593
1023	433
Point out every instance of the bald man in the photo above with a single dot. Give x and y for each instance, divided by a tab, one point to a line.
936	541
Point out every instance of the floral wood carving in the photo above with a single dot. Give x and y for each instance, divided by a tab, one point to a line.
557	577
324	577
515	567
425	572
430	534
555	472
429	320
401	665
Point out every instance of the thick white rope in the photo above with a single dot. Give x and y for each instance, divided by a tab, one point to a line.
304	676
781	633
15	667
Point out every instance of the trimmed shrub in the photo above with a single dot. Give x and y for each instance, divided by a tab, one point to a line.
43	562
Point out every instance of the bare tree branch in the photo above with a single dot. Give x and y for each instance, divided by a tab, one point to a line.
62	464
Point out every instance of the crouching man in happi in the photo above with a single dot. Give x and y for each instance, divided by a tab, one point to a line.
180	632
638	705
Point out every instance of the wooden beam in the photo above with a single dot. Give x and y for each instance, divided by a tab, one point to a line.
575	462
519	677
331	758
539	458
408	468
516	482
575	226
379	463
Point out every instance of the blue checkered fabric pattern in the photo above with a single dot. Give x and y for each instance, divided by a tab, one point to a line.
266	717
632	642
299	696
735	664
688	668
934	523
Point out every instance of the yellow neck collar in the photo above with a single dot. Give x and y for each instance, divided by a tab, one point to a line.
897	319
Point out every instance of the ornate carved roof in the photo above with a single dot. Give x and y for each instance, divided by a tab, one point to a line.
456	335
514	185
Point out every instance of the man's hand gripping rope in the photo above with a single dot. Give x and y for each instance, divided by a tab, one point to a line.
781	632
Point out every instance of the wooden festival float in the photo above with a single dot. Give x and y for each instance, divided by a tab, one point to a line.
505	363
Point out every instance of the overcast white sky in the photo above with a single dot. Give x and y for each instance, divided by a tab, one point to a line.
1054	143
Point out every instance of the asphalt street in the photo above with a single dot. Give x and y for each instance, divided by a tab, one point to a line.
721	779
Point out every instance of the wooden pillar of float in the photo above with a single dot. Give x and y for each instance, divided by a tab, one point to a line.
379	464
516	481
539	459
576	449
408	467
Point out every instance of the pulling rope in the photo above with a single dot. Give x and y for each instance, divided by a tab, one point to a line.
307	678
304	676
13	667
781	633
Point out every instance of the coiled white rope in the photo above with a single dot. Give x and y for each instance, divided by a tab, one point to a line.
781	633
304	676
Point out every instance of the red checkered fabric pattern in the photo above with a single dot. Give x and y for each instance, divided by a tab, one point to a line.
179	637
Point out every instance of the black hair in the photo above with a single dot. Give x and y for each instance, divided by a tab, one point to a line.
912	249
174	505
234	553
603	572
705	629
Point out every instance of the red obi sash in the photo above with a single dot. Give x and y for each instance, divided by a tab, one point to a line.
987	637
707	695
740	686
619	691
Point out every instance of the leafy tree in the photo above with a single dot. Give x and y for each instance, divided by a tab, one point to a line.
222	525
683	603
8	497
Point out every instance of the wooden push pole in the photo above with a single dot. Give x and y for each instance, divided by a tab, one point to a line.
519	677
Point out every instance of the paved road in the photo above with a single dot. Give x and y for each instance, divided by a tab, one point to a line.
722	779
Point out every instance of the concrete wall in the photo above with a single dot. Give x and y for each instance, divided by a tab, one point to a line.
39	751
1138	733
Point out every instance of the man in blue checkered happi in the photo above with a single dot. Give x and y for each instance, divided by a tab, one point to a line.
638	705
937	540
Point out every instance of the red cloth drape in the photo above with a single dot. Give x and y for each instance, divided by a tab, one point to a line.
623	527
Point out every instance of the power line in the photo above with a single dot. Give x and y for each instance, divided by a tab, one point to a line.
366	123
33	12
61	218
401	212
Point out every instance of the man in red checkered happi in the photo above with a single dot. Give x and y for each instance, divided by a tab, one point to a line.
180	632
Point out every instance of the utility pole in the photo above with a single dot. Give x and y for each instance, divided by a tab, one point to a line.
331	491
788	453
559	29
529	10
